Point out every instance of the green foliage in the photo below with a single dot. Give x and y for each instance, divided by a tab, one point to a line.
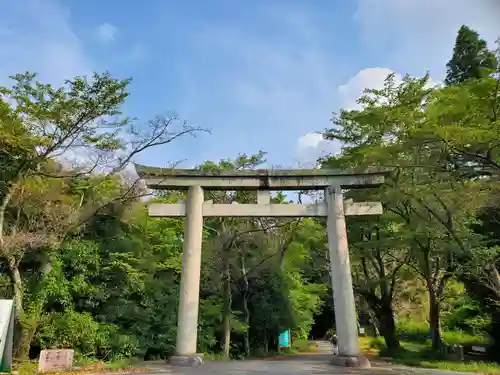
90	270
437	142
471	58
465	315
303	346
112	289
417	354
70	330
418	332
305	301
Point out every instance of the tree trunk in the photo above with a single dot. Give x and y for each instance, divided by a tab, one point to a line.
385	317
266	342
246	311
246	334
434	319
22	340
374	322
494	280
29	320
17	286
22	349
226	319
384	313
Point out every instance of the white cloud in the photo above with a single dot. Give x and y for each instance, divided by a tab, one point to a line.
369	78
107	32
312	146
36	36
310	140
372	78
419	35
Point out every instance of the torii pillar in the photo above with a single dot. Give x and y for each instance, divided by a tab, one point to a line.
334	208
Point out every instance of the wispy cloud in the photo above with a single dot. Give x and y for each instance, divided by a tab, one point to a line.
418	35
36	36
272	87
106	33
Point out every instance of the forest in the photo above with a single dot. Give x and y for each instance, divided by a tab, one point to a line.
89	270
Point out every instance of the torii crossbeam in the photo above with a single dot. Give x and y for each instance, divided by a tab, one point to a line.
264	181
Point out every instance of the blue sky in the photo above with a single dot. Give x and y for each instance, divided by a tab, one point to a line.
261	74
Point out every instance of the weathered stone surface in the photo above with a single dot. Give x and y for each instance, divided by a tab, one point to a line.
358	362
315	179
186	360
55	359
145	171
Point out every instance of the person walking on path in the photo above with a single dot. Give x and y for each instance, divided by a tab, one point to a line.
333	340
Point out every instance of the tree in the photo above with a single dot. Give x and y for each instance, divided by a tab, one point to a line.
227	232
471	58
395	128
463	122
40	136
379	255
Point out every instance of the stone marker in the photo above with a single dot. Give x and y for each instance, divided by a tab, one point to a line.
55	359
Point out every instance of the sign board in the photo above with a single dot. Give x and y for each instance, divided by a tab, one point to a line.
55	360
6	334
480	349
284	339
361	331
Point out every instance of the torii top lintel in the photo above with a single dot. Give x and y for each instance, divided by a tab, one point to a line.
260	179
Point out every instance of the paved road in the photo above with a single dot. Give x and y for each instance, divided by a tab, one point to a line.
305	364
310	364
300	365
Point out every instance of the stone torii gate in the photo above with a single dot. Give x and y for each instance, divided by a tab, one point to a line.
263	181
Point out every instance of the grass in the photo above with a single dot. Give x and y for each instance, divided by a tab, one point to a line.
419	354
304	346
83	366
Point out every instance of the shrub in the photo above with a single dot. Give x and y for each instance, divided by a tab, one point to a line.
463	338
70	329
413	330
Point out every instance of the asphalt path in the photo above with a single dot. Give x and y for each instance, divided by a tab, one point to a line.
310	364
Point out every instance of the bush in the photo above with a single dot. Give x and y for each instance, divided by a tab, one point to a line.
463	338
27	368
465	315
413	331
330	333
376	343
304	346
70	329
419	332
86	336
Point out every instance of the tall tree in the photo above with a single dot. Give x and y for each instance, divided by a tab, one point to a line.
40	137
396	128
471	58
